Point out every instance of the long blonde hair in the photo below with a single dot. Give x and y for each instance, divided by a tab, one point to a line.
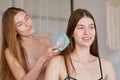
12	41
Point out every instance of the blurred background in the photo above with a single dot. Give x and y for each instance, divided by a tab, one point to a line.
51	16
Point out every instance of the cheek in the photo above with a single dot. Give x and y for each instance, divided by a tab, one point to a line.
93	36
19	30
77	34
94	33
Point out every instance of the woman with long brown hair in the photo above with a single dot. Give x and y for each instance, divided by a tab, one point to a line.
80	60
23	54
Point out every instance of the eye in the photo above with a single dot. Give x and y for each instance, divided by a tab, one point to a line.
20	24
80	28
91	27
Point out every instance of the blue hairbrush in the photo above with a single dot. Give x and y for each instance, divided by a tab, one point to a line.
63	41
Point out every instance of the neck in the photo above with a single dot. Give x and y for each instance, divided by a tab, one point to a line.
82	54
28	40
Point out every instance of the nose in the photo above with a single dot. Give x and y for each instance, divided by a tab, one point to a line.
86	31
26	23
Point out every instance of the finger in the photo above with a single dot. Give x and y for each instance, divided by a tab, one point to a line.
56	53
55	47
55	50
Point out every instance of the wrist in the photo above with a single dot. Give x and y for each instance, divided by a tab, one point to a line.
43	59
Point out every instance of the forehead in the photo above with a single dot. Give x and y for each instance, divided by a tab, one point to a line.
85	20
19	16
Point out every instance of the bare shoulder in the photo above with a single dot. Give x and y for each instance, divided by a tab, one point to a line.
11	60
8	53
54	65
55	62
56	59
7	50
44	37
106	62
14	65
9	57
53	68
108	69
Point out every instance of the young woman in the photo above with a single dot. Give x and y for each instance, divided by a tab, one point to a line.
23	54
80	60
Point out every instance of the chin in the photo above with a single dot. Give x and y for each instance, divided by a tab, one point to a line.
32	31
87	44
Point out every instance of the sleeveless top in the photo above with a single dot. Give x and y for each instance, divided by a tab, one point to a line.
101	78
31	63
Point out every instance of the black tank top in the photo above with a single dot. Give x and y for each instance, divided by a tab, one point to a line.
101	78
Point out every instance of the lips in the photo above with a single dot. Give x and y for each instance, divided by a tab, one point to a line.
29	28
86	38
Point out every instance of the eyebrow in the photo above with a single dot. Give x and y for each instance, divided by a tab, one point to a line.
24	18
79	25
83	25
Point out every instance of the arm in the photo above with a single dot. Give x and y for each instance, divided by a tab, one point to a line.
53	69
19	72
109	70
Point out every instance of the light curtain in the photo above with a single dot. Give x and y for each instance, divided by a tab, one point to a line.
113	24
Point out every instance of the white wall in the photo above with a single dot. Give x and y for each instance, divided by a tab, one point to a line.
49	16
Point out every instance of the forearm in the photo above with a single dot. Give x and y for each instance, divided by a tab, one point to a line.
35	71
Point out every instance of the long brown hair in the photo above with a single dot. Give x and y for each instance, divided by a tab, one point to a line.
12	41
73	20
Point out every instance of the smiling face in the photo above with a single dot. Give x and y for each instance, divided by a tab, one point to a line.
23	24
84	32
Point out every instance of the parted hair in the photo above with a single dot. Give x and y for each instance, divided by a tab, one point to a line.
73	20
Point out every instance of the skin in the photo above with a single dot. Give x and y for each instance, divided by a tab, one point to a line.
85	64
23	24
38	49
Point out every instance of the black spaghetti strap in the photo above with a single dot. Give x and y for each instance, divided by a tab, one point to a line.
100	69
66	66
